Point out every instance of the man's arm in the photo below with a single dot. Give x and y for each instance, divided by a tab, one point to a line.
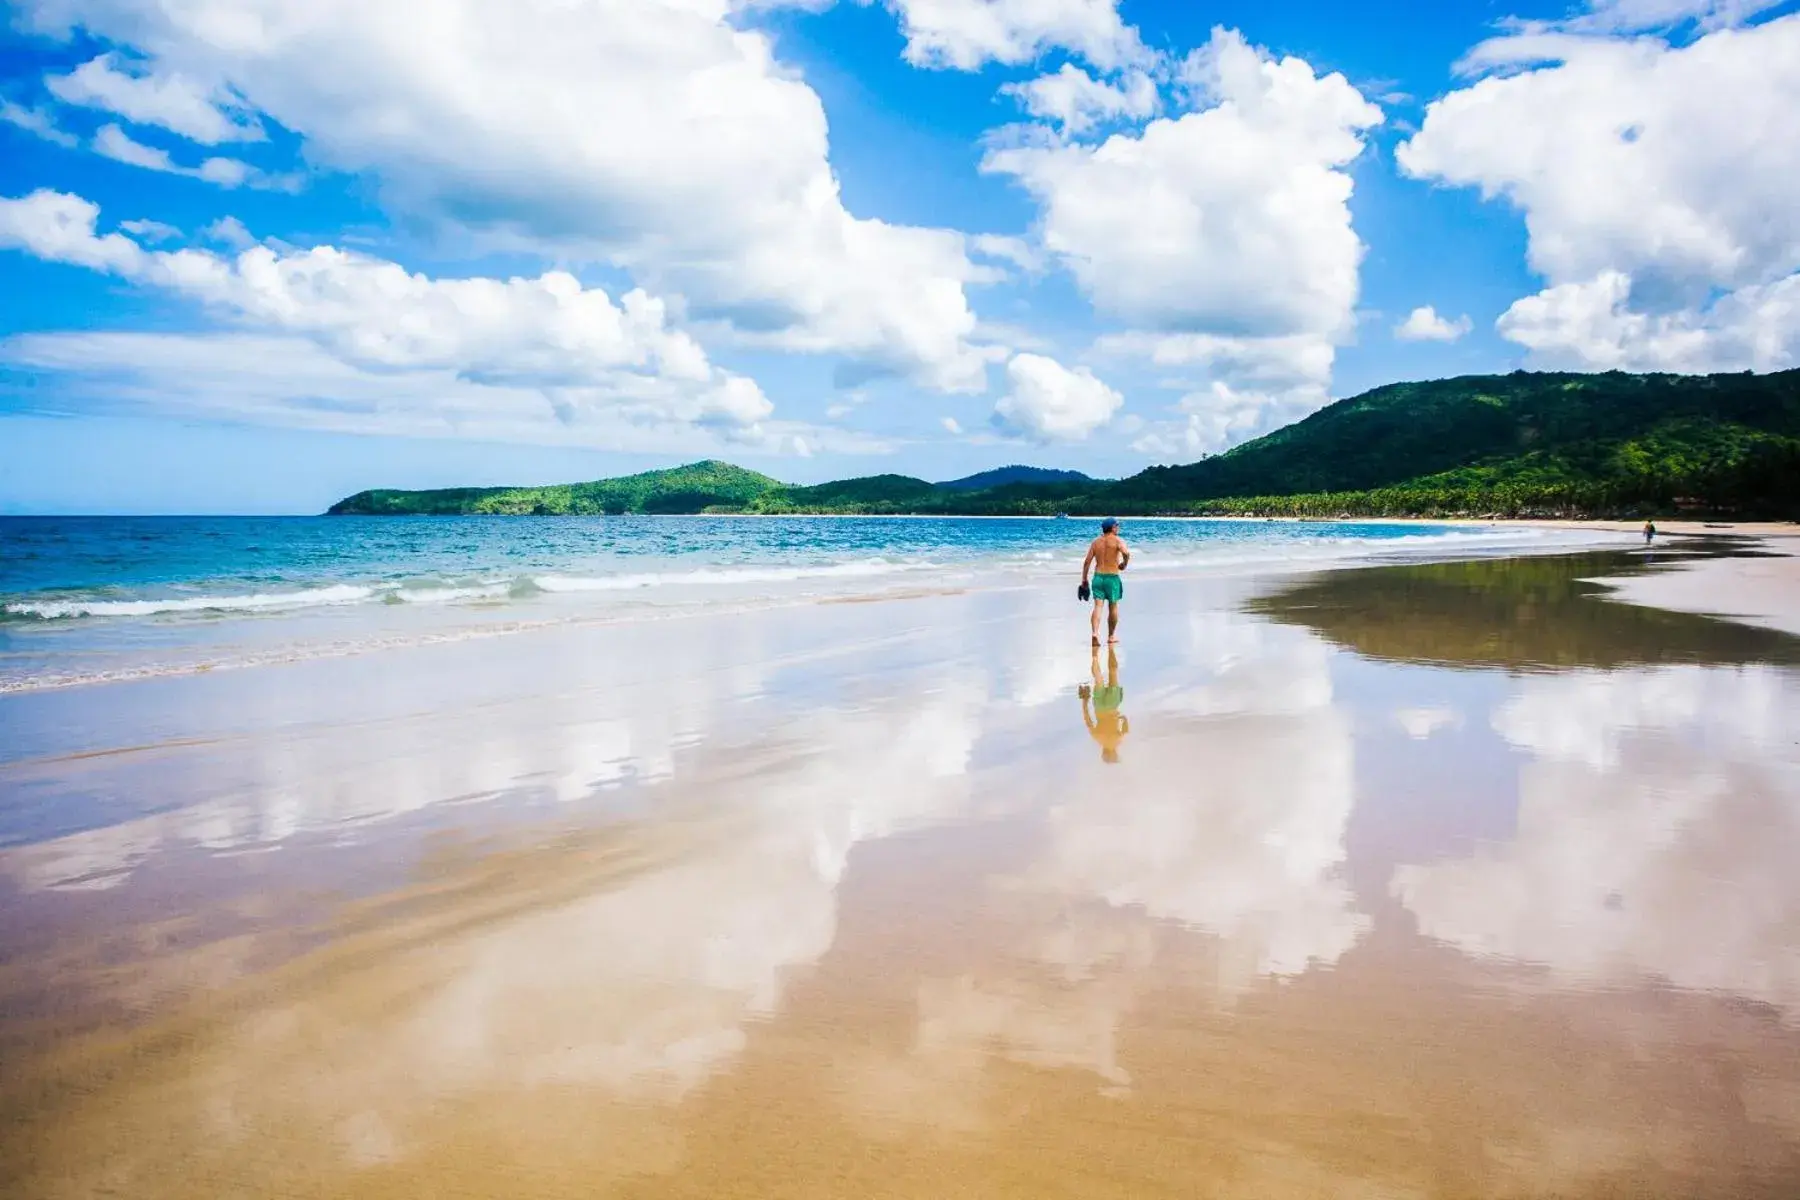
1089	560
1124	554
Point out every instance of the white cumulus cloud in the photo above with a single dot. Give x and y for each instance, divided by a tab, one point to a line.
170	101
1656	183
965	34
150	231
1526	42
59	227
293	382
1425	325
1216	416
1662	14
574	344
1015	251
650	134
226	231
1075	101
1049	402
1220	236
1591	326
1249	386
114	143
1232	219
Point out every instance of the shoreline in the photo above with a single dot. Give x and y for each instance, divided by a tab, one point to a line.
374	635
1743	589
1759	591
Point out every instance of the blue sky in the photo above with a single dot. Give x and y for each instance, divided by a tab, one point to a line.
256	254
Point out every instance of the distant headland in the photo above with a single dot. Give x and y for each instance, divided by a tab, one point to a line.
1524	444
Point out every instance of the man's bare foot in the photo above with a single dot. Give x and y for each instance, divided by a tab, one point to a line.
1096	643
1111	641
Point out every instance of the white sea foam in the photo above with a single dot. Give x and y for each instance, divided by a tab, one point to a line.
727	576
253	602
449	595
331	596
64	608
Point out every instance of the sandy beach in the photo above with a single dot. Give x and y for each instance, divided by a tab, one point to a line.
1459	879
1762	590
1761	586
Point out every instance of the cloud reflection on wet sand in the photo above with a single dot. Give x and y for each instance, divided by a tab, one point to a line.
904	932
1659	825
630	994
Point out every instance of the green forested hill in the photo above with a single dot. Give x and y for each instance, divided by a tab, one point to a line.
1647	438
893	491
1503	445
1001	476
693	488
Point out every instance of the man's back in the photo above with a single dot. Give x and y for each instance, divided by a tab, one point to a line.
1109	553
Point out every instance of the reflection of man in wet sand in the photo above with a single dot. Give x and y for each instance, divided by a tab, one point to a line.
1105	723
1108	556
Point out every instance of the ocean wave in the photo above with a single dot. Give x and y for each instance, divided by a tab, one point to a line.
1154	556
334	595
451	591
51	610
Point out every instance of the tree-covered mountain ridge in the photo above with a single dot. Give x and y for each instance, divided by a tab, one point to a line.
1524	444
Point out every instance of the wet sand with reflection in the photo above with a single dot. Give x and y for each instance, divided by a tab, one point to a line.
1525	613
1409	881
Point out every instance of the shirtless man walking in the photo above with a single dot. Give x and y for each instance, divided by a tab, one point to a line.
1108	556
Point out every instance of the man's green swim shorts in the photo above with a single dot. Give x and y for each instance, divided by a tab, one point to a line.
1109	587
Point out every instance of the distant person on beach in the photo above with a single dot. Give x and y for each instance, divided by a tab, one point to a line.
1649	532
1105	723
1107	557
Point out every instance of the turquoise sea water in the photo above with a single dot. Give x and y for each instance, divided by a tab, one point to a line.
89	599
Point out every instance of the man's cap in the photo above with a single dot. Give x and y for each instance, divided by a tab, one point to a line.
1109	523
